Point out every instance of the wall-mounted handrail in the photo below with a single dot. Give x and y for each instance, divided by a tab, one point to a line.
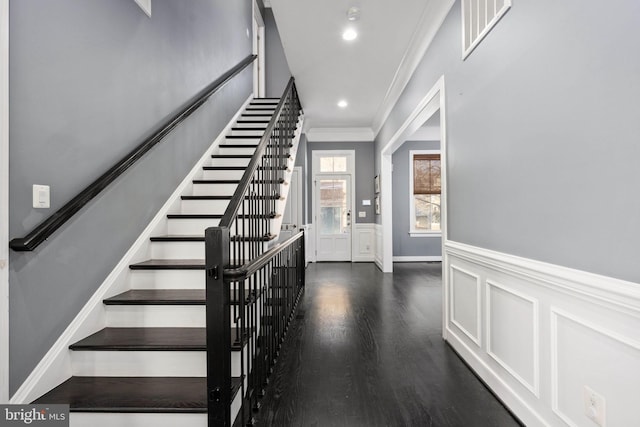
62	215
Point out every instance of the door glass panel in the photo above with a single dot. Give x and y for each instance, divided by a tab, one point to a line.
333	206
333	164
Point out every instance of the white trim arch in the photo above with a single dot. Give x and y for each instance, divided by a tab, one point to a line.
433	101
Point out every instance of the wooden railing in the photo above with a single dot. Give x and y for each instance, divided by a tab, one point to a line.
56	220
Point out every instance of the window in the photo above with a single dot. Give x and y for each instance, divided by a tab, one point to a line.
425	185
478	18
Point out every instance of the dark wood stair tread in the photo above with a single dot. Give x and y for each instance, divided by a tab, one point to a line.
238	145
237	181
188	238
249	128
231	156
158	297
169	264
214	216
133	394
148	339
227	197
289	145
168	297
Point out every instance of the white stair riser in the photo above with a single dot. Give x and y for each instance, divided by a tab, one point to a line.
249	132
136	419
196	227
243	141
222	174
162	316
217	207
214	189
262	112
189	250
167	279
177	250
249	125
190	227
140	419
230	161
156	316
145	363
237	150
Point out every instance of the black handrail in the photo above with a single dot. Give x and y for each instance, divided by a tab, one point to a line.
245	182
242	273
51	224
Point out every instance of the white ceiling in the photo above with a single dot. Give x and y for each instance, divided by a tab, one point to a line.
369	72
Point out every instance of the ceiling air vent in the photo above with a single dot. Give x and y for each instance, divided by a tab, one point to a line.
478	18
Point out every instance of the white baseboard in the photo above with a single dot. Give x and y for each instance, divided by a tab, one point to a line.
55	366
417	259
538	333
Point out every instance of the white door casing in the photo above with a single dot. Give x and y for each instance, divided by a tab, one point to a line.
292	217
259	50
4	201
433	101
334	246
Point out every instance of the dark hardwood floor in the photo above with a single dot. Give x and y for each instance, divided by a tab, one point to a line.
367	350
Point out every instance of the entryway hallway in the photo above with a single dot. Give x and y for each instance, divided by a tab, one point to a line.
367	350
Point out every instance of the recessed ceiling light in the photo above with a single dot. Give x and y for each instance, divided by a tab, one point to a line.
342	103
349	34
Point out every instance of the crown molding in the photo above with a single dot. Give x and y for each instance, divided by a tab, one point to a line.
340	134
430	22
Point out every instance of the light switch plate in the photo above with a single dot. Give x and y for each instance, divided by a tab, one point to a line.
41	196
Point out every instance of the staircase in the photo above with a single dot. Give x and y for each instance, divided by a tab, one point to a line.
148	365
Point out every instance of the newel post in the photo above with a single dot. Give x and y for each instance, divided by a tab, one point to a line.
218	328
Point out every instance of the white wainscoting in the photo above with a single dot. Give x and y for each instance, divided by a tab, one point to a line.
310	246
364	243
538	333
378	258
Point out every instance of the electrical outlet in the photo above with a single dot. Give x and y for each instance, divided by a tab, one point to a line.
594	406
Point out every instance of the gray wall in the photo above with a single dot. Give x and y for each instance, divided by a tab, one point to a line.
542	127
364	157
88	80
277	72
403	243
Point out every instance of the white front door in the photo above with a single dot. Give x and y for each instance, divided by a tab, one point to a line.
292	217
333	216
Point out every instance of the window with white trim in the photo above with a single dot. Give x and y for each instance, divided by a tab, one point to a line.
424	192
478	18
